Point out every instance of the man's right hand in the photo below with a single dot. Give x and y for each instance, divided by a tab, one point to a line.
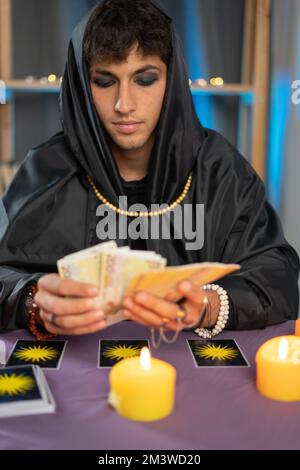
81	314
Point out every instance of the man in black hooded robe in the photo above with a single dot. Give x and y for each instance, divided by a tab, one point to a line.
49	210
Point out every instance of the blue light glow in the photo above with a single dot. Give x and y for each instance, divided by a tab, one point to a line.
279	109
196	59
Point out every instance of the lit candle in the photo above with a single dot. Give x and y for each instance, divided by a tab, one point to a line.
278	369
142	388
297	330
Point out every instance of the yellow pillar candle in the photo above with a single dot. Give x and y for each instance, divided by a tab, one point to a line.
278	368
297	330
142	388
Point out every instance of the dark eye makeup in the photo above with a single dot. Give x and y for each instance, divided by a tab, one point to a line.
140	80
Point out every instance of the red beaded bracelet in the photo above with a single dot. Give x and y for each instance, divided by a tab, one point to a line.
35	323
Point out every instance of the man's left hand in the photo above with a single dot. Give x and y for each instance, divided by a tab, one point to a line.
152	311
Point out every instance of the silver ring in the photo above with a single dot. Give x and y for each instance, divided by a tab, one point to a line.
51	319
181	315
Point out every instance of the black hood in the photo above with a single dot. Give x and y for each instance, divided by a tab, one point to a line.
178	137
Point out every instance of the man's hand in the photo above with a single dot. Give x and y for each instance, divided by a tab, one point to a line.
81	314
149	310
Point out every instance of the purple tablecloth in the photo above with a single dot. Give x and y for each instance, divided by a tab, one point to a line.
216	408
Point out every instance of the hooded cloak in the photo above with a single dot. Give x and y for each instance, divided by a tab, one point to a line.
49	209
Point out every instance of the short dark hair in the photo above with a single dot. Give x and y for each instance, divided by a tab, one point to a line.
116	25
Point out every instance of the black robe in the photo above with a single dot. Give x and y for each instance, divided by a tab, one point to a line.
49	210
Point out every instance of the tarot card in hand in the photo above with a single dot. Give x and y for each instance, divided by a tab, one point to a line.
46	354
23	391
112	351
163	282
217	353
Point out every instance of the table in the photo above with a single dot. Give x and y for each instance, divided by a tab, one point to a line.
216	408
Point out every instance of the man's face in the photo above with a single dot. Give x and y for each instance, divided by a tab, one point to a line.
128	97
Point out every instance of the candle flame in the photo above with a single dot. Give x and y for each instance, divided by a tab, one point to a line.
145	359
283	349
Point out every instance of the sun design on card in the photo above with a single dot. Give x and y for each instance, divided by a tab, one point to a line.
212	351
36	353
122	352
15	384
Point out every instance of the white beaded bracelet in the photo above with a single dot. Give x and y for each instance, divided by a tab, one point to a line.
223	313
